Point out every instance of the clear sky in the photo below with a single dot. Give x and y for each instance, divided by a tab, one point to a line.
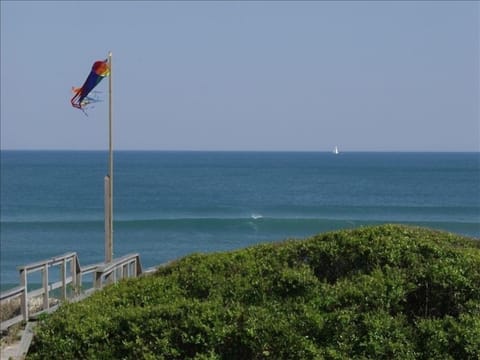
227	75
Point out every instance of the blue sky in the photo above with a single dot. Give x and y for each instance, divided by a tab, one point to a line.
368	76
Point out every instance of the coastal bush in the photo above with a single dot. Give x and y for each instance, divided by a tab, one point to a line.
382	292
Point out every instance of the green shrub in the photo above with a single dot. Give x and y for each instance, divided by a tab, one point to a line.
383	292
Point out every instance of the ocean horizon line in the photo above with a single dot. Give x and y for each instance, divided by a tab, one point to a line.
319	151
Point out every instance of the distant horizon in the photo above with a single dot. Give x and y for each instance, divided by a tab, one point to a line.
247	151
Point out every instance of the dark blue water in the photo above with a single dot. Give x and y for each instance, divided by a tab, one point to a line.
169	204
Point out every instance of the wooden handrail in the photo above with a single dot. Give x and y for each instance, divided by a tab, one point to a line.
16	291
104	273
52	261
109	271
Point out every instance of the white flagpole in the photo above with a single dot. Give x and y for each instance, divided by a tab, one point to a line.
109	177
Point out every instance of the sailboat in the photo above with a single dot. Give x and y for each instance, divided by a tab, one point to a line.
335	150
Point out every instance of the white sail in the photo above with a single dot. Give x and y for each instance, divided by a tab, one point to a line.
335	150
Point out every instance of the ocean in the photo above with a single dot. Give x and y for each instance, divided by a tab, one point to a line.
170	204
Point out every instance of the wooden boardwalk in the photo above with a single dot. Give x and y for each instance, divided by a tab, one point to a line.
70	284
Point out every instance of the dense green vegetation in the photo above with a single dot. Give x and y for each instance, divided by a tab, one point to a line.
384	292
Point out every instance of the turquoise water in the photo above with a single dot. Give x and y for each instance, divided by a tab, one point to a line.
169	204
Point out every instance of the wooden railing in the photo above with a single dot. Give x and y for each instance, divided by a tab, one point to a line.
71	284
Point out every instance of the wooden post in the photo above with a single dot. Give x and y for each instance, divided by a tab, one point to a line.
45	286
98	279
108	221
24	298
78	275
73	272
63	273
